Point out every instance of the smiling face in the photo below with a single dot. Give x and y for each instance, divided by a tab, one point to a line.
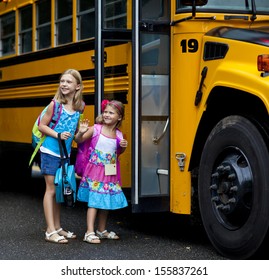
111	116
68	84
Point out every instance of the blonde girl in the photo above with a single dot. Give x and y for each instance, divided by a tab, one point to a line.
100	185
69	95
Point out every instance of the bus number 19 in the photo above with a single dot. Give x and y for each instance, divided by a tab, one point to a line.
189	45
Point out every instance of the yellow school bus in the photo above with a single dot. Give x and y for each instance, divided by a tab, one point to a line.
194	78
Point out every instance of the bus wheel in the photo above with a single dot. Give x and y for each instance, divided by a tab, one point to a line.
234	187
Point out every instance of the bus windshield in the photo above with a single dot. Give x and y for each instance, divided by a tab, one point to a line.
231	6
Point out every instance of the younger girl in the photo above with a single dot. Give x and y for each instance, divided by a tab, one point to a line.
69	94
100	185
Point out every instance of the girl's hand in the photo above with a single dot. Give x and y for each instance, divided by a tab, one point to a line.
123	143
84	132
83	126
65	135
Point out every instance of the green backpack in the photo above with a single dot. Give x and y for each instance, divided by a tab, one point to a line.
37	137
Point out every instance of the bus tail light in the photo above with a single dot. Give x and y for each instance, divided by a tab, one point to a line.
263	64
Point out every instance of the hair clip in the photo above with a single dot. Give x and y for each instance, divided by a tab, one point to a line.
104	104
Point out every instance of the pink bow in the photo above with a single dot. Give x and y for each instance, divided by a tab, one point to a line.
104	104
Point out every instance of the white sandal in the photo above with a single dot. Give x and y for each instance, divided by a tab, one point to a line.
54	237
91	238
68	234
105	235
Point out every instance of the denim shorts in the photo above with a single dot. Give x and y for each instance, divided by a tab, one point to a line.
50	164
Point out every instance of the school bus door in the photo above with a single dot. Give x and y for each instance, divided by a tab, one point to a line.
150	180
150	97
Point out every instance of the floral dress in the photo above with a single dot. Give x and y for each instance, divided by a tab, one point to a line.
99	190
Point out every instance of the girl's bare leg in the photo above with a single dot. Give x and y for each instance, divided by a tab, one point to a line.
51	209
102	219
91	216
90	236
49	203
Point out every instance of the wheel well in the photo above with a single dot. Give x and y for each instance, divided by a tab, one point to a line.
224	102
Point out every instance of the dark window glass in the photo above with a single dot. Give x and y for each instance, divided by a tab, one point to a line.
64	32
25	28
115	14
7	34
64	8
43	28
86	19
63	21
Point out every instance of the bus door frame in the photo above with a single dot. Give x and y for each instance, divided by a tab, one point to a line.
140	203
141	200
101	35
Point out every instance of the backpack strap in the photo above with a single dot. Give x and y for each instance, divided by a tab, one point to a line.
57	111
94	139
119	136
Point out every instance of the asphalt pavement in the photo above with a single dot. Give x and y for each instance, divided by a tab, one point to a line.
156	236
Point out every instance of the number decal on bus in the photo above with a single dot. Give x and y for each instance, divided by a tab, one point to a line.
190	45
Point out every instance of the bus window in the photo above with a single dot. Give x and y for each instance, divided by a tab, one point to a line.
152	9
155	57
85	19
115	14
43	25
63	21
229	5
7	22
262	6
25	34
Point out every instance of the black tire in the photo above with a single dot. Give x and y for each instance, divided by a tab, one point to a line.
233	188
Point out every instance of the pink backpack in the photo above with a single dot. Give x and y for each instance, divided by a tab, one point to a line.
85	148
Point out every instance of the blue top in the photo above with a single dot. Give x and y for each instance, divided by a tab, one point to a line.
68	122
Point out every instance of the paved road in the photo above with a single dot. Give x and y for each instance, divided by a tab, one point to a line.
143	236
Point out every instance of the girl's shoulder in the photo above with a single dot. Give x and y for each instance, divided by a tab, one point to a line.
54	105
55	100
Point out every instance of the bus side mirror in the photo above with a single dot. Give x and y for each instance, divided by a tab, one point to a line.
194	2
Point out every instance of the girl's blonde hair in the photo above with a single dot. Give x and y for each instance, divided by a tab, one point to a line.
116	105
77	100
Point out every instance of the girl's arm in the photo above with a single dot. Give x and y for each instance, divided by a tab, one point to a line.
84	132
44	125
